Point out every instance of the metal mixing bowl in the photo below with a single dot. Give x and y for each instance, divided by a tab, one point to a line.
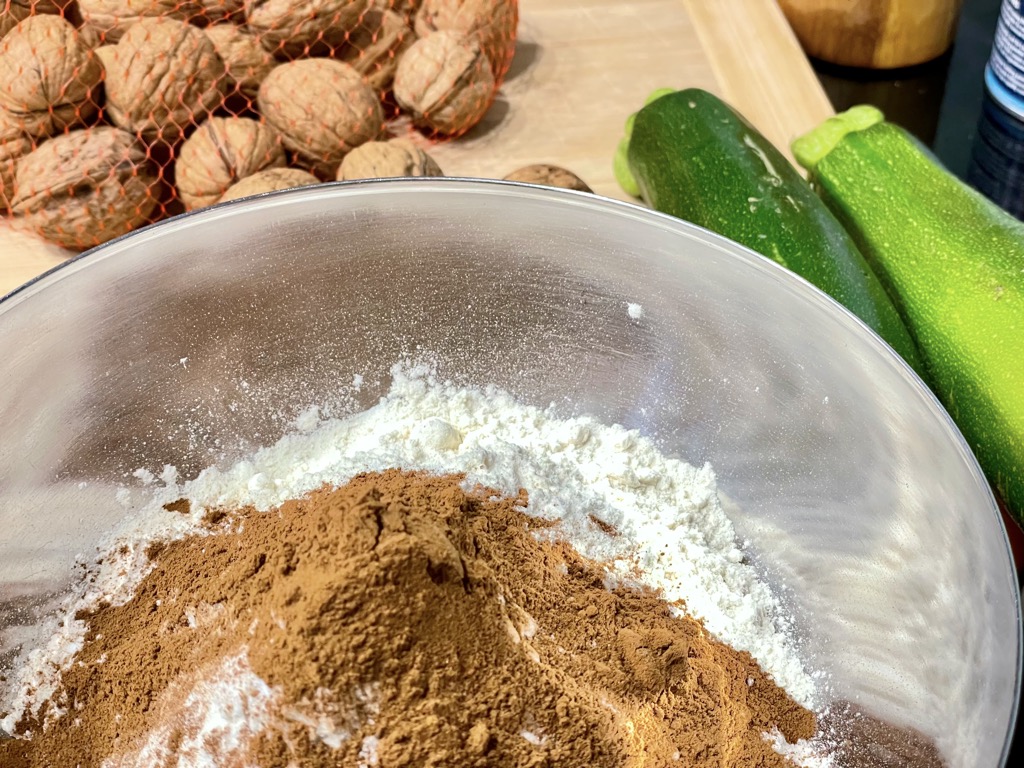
193	341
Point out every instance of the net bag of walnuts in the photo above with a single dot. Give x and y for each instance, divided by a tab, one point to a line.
118	113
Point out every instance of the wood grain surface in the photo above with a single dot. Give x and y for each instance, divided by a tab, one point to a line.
581	67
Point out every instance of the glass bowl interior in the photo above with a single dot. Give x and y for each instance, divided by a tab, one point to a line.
199	339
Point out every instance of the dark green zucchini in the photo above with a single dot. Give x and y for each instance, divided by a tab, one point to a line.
694	157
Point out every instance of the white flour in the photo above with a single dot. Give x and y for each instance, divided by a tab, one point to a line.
213	726
671	526
806	753
219	720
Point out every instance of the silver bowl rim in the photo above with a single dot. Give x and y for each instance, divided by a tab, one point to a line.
557	196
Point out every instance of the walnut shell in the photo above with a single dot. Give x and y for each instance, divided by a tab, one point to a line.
112	18
445	82
405	8
164	77
387	159
493	22
246	60
48	78
13	11
549	176
10	16
217	10
90	37
375	46
85	187
22	9
105	53
295	28
221	152
270	180
322	108
14	145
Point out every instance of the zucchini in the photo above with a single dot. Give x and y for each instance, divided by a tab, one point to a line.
954	264
692	156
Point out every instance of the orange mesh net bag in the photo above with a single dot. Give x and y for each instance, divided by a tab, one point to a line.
118	113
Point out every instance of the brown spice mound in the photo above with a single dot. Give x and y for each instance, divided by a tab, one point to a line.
404	622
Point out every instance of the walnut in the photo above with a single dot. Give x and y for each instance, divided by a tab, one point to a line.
34	7
548	176
14	144
375	46
404	8
10	16
22	9
445	82
111	18
322	108
13	11
164	76
85	187
105	53
493	22
48	78
90	37
217	10
270	180
295	28
222	151
384	159
246	60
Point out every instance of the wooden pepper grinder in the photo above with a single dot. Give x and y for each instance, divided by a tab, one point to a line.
875	34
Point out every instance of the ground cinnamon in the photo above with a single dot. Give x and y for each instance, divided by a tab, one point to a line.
400	621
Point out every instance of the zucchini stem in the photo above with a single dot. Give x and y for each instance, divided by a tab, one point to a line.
810	148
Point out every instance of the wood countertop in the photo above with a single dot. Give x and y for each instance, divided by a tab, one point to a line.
581	67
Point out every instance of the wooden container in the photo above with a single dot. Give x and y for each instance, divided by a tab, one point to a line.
875	34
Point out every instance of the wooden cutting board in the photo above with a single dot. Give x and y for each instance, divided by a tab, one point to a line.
581	67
